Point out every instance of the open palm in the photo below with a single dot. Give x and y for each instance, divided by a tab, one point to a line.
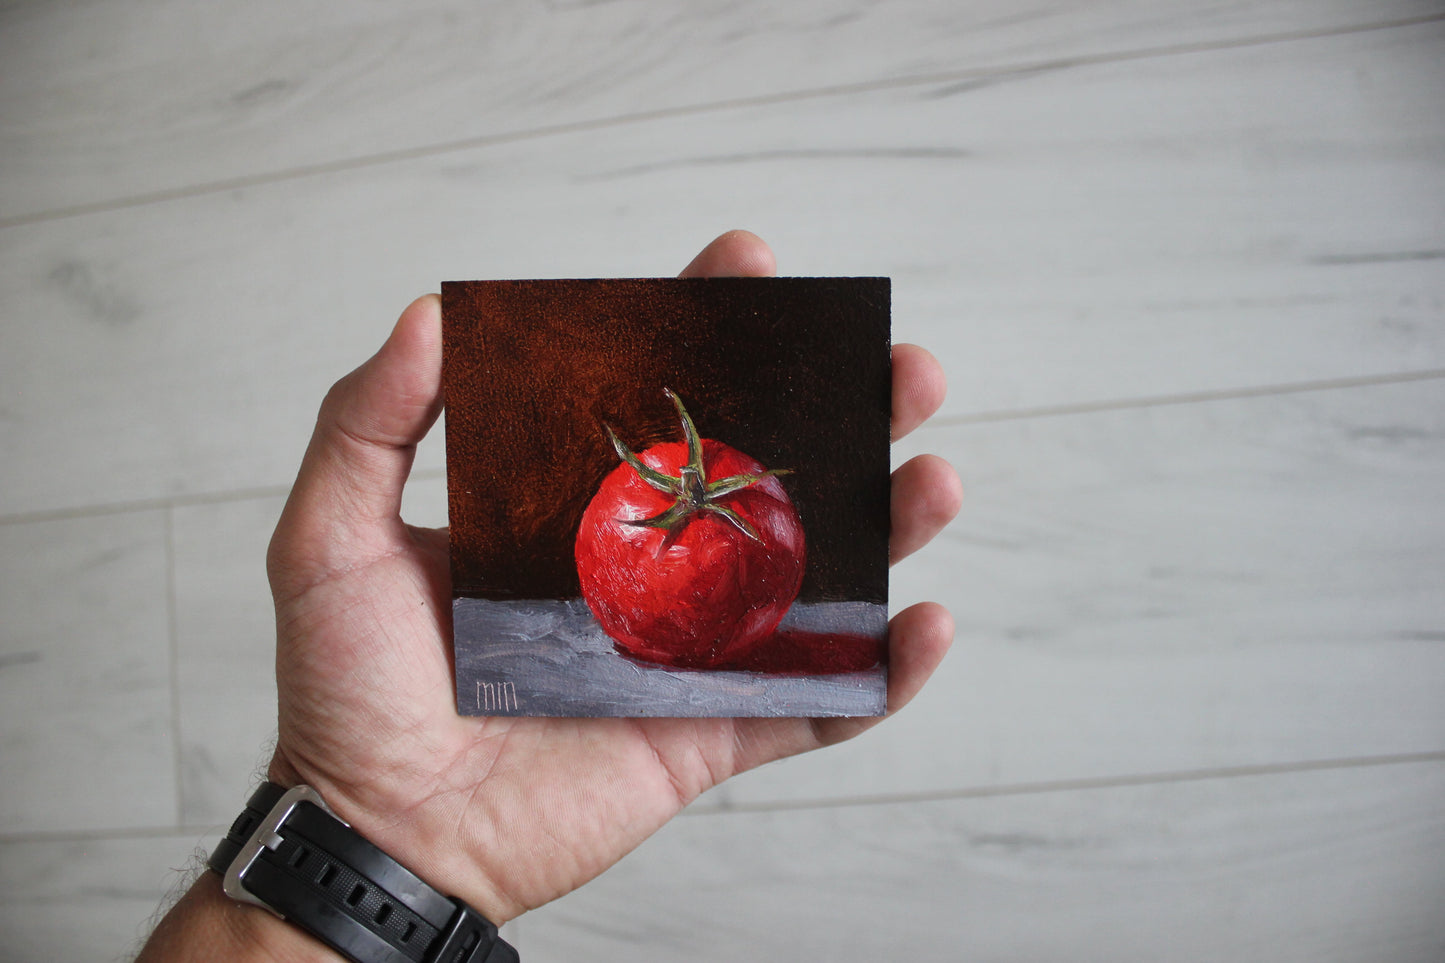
506	813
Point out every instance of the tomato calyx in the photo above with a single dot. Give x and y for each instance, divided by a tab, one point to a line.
691	491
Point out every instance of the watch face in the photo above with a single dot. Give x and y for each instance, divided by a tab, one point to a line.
669	497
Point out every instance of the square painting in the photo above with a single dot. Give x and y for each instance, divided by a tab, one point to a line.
669	497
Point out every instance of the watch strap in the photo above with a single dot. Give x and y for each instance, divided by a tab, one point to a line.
289	854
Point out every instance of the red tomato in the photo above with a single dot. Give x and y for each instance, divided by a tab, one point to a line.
690	553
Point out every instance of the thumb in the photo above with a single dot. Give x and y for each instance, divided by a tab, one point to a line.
344	508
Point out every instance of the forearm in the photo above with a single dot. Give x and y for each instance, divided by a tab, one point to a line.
207	926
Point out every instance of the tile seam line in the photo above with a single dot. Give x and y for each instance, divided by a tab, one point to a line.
933	424
382	158
1045	787
1183	398
221	497
1175	777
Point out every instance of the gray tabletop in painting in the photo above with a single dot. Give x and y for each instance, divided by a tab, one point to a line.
550	658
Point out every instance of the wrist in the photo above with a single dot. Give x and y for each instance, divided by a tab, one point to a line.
412	833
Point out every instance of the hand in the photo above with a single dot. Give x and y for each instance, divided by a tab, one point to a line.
506	813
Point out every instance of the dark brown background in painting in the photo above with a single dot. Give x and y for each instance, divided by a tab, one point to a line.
793	371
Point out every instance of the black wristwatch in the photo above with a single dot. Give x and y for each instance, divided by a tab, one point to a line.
288	853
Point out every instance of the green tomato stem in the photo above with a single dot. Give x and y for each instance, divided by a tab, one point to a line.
691	491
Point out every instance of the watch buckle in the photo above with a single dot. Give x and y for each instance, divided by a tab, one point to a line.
267	836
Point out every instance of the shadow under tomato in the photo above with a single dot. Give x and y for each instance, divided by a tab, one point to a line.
796	652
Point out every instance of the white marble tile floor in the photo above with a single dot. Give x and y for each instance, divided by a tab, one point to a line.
1184	262
1339	864
85	675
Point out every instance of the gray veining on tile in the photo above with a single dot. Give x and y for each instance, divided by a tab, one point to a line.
86	675
107	100
1104	244
1334	866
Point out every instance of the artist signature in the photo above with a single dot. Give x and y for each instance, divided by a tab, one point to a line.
497	697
